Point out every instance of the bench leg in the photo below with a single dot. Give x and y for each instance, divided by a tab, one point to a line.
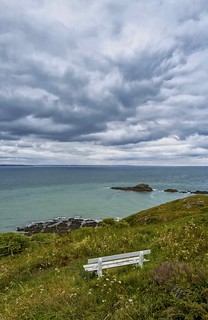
99	270
141	259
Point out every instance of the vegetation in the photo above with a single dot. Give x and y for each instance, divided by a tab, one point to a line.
47	280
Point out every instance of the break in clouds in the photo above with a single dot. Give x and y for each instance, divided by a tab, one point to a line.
104	82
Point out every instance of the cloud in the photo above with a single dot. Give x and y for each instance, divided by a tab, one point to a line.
107	78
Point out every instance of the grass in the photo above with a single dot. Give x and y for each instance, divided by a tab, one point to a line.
47	280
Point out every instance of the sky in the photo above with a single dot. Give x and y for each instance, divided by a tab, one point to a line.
108	82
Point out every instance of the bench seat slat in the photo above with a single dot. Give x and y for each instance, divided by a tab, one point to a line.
119	256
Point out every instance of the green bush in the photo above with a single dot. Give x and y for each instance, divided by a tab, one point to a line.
122	224
11	243
108	222
43	237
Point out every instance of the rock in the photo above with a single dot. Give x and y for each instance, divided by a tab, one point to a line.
171	190
58	225
175	190
142	187
199	192
193	192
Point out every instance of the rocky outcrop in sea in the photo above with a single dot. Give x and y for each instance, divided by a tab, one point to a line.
142	187
192	192
57	225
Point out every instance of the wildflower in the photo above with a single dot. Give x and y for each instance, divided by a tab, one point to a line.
73	294
130	300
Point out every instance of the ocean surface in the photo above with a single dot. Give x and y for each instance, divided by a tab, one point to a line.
30	194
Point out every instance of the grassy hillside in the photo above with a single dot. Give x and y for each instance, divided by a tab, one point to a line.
47	280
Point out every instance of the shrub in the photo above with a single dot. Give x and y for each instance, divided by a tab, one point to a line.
11	243
108	222
172	275
43	237
122	224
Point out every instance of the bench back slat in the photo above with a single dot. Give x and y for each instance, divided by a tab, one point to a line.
120	256
113	264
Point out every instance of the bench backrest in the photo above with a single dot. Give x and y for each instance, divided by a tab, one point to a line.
119	256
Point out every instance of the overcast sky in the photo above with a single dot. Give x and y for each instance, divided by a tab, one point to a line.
104	82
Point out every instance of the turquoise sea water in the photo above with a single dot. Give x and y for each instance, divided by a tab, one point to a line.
39	193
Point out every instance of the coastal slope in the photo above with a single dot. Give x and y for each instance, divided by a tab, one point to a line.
42	277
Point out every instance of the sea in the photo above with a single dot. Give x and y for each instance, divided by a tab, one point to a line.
39	193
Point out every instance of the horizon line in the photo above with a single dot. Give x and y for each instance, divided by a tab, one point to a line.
99	165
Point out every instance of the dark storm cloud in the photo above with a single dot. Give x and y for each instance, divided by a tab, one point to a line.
107	73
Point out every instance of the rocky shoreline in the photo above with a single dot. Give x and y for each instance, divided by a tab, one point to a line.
58	225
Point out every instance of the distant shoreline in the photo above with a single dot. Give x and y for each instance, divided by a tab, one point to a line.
103	165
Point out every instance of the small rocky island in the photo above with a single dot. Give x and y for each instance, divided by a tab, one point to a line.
192	192
57	225
142	187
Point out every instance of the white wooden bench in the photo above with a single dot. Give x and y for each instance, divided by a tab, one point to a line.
98	264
